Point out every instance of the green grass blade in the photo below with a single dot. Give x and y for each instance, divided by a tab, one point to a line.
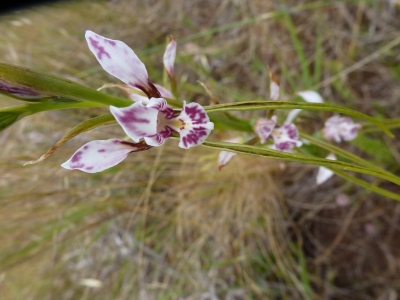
78	129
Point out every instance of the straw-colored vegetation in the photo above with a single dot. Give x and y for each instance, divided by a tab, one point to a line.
165	223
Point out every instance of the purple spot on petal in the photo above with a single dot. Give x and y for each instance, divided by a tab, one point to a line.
196	114
101	150
100	49
111	42
85	147
77	157
88	168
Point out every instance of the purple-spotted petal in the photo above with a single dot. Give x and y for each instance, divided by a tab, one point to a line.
286	137
340	128
137	121
97	156
263	128
169	57
120	61
324	173
194	125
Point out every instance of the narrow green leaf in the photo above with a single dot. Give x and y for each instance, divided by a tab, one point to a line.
341	152
274	154
17	81
259	105
367	185
78	129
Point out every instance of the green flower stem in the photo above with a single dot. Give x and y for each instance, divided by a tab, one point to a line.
257	105
366	185
343	153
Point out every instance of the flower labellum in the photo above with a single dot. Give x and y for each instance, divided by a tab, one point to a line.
340	128
156	122
119	60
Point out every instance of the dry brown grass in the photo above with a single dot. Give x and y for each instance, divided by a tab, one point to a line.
165	224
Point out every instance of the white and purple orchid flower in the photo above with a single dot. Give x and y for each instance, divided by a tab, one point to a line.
147	125
285	137
339	128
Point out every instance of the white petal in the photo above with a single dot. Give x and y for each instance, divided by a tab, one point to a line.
324	173
169	57
97	156
311	96
224	158
136	120
292	115
119	60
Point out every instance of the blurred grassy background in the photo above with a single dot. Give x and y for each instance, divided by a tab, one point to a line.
165	224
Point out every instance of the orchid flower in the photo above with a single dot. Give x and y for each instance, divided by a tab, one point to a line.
324	173
154	123
285	137
340	128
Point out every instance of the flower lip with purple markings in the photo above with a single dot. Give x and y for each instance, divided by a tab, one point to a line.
340	128
119	60
285	137
156	122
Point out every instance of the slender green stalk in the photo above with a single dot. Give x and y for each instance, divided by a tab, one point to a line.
258	105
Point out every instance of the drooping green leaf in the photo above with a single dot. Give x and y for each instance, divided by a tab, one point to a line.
78	129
